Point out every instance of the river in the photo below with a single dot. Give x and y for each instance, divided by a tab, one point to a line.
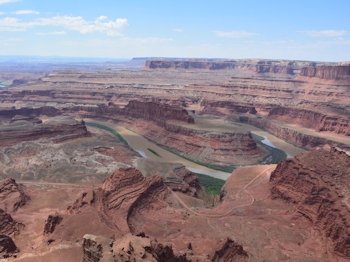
141	145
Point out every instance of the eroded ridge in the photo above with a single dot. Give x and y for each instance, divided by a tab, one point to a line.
318	184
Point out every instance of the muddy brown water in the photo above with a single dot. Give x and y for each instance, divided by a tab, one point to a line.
141	145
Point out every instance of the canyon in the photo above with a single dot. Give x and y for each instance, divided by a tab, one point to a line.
75	188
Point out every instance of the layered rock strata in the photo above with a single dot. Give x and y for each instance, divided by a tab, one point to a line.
169	129
12	195
301	139
58	128
318	184
156	112
311	119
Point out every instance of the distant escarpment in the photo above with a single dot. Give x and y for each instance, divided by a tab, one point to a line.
310	119
58	129
327	72
318	184
285	67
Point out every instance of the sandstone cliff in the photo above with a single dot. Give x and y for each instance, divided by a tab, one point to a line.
334	72
156	112
310	119
255	66
230	107
295	137
318	183
58	129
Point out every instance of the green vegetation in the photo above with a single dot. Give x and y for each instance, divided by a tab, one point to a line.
109	129
153	152
227	169
274	156
212	185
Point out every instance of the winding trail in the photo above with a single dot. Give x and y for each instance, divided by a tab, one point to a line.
234	207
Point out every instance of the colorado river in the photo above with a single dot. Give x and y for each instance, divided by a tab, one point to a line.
267	142
141	145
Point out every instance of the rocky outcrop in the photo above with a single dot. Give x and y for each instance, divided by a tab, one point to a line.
51	223
8	226
157	112
128	248
127	191
58	129
97	248
29	112
310	119
213	108
318	184
334	72
7	247
229	250
12	195
295	137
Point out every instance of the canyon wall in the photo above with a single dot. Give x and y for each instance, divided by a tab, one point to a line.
211	107
317	183
295	137
255	66
334	72
310	119
157	112
58	129
225	148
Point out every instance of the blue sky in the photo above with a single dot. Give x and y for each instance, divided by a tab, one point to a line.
302	30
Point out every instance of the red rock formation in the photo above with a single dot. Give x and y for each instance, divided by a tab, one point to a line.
318	184
335	72
127	191
51	223
256	66
97	248
228	250
225	148
295	137
190	184
129	248
310	119
7	247
59	128
12	195
29	112
7	224
210	107
157	112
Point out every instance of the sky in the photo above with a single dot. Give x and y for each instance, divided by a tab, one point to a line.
315	30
